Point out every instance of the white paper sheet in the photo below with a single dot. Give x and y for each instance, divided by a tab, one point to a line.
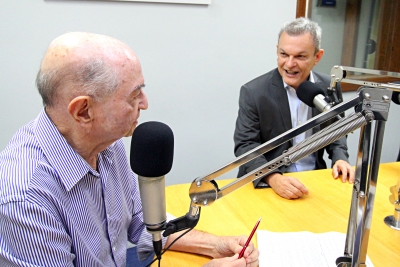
297	249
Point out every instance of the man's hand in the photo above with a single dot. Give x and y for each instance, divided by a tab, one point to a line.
286	186
226	246
233	261
344	169
223	249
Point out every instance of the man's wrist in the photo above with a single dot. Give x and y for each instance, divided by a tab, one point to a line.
268	178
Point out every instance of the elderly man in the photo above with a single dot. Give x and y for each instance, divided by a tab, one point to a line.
268	107
67	194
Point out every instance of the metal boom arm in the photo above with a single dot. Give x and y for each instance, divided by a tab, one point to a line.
371	104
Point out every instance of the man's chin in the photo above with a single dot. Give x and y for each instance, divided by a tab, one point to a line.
292	83
129	134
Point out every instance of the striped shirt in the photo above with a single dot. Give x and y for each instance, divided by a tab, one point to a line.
56	210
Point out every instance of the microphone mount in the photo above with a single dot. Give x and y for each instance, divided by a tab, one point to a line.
332	97
188	221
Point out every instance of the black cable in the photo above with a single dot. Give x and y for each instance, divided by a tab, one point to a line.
159	260
187	231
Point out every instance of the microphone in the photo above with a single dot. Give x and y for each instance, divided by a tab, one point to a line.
396	95
151	156
313	96
396	98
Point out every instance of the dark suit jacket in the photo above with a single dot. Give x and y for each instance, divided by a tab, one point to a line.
264	113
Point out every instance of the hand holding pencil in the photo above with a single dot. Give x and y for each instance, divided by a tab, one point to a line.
249	239
233	251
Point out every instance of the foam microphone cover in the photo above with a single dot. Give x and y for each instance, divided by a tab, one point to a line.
152	149
395	98
395	95
307	91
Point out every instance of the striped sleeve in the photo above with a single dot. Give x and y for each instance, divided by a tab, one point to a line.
20	242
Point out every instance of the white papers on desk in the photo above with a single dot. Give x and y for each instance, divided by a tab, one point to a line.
298	249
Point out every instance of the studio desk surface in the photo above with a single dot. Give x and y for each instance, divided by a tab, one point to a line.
325	209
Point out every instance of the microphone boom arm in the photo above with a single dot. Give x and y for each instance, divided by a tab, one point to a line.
372	103
339	73
204	192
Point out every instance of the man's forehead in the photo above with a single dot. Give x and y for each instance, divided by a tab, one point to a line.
76	47
298	43
303	36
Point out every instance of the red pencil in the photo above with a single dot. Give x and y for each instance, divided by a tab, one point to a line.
249	239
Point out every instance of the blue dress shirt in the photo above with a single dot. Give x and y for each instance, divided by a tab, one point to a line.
300	113
56	210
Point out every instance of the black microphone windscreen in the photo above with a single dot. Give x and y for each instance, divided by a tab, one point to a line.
152	149
307	91
395	97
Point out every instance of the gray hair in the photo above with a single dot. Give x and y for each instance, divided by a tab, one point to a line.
93	77
301	26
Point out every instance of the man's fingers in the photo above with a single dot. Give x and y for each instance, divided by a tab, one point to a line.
294	189
344	175
299	187
345	170
351	175
335	173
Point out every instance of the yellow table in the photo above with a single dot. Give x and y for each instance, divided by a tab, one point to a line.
325	209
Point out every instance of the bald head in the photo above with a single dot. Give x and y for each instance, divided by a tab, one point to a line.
80	63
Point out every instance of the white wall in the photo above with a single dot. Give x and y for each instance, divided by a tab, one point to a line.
194	59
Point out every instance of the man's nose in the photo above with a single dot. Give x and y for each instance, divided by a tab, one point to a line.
143	104
291	62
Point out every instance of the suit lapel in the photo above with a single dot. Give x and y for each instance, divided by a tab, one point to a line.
281	98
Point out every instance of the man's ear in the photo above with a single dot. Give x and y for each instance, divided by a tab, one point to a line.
81	109
318	56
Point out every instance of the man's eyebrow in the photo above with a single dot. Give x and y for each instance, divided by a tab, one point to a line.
139	86
281	50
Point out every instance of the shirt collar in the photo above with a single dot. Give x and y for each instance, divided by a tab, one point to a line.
68	164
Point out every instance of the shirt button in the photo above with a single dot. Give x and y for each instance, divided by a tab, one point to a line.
114	249
108	215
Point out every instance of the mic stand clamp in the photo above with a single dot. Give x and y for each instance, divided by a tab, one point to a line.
332	97
182	223
187	221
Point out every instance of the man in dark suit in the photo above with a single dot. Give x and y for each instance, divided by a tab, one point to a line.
268	107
